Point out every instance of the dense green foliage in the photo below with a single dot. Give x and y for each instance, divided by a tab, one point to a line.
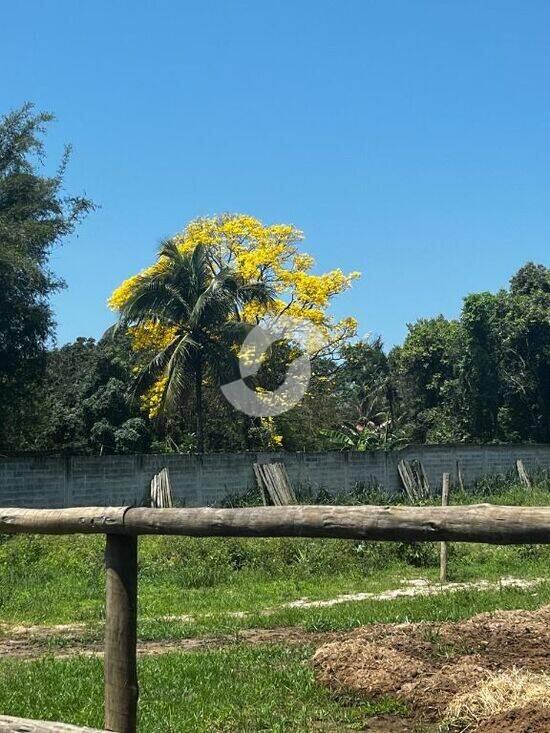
482	378
35	215
485	377
83	400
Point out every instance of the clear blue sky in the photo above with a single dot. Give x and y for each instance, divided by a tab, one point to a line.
409	140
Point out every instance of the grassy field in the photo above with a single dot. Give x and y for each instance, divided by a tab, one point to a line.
242	689
49	580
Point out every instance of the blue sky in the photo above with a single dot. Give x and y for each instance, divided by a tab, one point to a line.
409	140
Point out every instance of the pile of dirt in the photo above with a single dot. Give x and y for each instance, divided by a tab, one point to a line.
426	665
529	719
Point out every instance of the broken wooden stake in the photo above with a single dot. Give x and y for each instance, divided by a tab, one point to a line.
414	480
522	473
274	484
459	476
161	491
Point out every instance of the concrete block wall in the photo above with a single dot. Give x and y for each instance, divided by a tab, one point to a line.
206	480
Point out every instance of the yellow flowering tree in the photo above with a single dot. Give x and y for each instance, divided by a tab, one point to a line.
271	254
180	314
268	274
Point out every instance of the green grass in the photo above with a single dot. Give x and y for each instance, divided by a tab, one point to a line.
239	689
61	579
448	606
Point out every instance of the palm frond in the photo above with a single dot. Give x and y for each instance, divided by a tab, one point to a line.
154	368
169	249
256	293
153	300
182	358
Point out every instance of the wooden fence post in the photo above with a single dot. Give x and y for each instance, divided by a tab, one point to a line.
443	550
121	686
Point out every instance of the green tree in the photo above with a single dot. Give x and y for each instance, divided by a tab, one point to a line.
525	361
480	364
196	302
485	377
365	391
426	372
83	401
505	366
35	215
366	381
300	428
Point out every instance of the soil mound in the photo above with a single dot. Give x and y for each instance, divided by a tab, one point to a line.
520	720
426	665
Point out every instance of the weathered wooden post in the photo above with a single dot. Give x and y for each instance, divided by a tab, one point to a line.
121	685
443	550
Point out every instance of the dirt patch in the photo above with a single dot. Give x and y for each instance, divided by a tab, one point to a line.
12	630
389	724
288	636
64	647
427	664
530	719
419	587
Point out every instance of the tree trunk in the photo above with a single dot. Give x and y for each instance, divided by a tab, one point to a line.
199	408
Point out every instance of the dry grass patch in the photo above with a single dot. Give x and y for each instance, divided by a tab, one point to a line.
499	694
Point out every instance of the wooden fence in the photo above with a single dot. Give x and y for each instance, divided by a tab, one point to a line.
123	525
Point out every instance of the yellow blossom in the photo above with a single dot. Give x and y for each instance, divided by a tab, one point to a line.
274	440
152	336
125	290
151	400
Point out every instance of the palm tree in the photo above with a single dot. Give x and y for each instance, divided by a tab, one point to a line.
201	300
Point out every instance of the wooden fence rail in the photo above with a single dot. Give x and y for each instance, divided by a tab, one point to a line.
473	523
22	725
122	525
